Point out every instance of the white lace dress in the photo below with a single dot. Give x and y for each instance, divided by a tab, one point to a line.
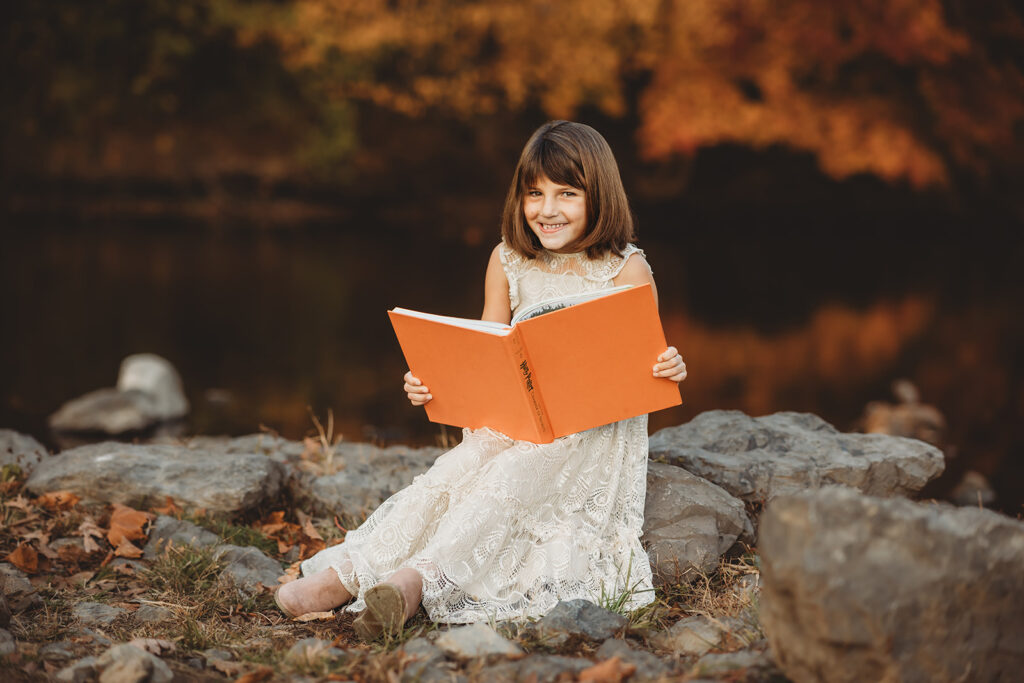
503	529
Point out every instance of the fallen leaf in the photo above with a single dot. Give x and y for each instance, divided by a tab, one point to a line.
127	523
127	549
20	502
260	674
25	558
170	509
89	531
612	670
225	667
283	546
316	616
58	500
154	646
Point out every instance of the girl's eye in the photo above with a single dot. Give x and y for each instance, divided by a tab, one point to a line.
569	193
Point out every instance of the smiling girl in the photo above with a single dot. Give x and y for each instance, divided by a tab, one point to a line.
497	528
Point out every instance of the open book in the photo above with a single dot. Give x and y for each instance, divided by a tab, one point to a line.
563	366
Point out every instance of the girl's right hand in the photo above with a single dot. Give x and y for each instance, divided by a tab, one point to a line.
414	389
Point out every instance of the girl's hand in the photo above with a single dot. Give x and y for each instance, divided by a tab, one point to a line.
414	389
670	365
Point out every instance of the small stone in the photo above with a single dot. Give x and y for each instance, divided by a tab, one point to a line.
82	671
648	666
433	671
7	644
550	668
153	614
96	613
310	652
692	636
476	640
157	378
129	664
752	658
580	618
93	636
21	451
249	567
15	586
215	653
422	650
168	530
57	651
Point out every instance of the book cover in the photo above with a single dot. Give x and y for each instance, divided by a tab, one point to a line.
577	363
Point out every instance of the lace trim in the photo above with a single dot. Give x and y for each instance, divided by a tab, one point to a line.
512	263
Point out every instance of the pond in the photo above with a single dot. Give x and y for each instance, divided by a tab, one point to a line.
774	308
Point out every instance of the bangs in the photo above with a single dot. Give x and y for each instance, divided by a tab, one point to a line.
552	160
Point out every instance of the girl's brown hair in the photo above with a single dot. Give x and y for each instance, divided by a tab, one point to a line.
576	155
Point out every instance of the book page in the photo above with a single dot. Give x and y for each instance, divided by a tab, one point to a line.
499	329
558	303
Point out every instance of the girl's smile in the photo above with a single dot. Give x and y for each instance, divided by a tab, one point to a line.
557	214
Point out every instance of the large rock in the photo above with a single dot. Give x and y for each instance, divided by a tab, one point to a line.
143	475
756	459
157	378
579	619
689	523
148	392
369	476
859	588
20	450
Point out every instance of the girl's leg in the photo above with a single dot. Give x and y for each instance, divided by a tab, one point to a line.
315	593
410	583
390	604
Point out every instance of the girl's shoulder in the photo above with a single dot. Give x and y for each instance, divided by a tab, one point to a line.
612	264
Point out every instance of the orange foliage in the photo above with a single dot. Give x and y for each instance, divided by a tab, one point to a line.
889	87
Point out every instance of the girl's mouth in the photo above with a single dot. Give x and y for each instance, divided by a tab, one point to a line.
552	227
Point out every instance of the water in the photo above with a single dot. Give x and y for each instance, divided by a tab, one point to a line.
814	310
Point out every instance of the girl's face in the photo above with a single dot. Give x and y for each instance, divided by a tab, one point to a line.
557	214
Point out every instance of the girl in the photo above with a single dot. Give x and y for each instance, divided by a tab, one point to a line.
497	528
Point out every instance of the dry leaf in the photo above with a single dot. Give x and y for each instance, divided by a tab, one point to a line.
43	543
20	502
225	667
58	500
90	531
127	549
612	670
315	616
25	558
170	509
127	523
260	674
154	646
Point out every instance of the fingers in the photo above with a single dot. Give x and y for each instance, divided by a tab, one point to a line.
671	365
668	353
414	389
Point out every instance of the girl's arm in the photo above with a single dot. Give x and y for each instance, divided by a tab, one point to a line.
497	308
670	364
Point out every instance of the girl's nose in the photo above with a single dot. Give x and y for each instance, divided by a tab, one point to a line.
550	206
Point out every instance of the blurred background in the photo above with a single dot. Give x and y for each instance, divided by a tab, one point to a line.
830	195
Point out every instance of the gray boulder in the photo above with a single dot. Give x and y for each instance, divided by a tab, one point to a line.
758	458
857	588
579	619
140	476
21	451
476	640
689	523
369	476
156	378
108	411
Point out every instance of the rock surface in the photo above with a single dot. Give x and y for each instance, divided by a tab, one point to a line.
249	567
580	619
310	652
475	640
144	475
78	672
857	588
692	636
20	593
167	531
756	459
96	613
20	450
155	377
129	664
369	477
106	410
648	666
688	523
152	614
7	644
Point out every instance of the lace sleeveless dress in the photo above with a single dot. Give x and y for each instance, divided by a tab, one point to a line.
503	529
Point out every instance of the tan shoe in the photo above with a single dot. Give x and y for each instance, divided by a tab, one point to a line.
384	613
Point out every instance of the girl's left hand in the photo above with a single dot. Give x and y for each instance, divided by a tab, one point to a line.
670	365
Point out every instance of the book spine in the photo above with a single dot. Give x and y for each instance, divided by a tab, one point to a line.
524	369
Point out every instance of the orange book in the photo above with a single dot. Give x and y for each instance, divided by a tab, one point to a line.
561	367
